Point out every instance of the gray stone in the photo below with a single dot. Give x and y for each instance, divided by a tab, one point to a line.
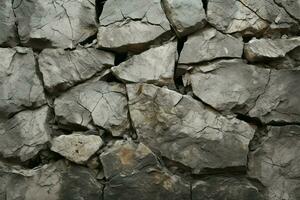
20	86
59	23
209	44
131	25
99	103
291	7
76	147
25	134
153	66
185	16
63	69
229	85
8	36
184	130
221	188
276	163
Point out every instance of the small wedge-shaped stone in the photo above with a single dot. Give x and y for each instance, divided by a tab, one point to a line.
153	66
229	85
25	134
62	69
209	44
266	49
280	101
104	104
131	25
60	23
76	147
20	86
185	16
186	131
276	163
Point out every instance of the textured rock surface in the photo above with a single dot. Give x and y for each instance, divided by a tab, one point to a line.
153	66
276	163
209	44
63	69
8	36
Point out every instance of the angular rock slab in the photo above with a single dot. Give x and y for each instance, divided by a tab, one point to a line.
20	86
185	16
131	25
290	6
76	147
184	130
25	134
8	36
225	188
46	23
280	101
229	85
100	103
276	163
155	65
63	69
266	49
55	181
209	44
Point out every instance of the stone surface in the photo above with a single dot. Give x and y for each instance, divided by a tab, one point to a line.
131	24
185	16
276	163
219	188
100	103
291	7
60	23
209	44
184	130
20	86
153	66
229	85
25	134
63	69
76	147
8	36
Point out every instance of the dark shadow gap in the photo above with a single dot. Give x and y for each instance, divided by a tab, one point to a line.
99	8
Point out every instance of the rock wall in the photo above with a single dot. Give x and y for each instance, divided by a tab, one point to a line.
149	100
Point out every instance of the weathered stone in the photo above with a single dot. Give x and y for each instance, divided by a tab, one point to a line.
25	134
229	85
209	44
20	86
76	147
276	163
100	103
185	16
60	23
8	36
131	25
63	69
280	101
266	49
219	188
291	7
184	130
153	66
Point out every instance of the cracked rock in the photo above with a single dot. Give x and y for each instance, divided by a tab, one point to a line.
63	69
155	65
276	163
20	86
209	44
96	103
185	16
225	188
25	134
131	25
76	147
291	7
184	130
229	85
59	23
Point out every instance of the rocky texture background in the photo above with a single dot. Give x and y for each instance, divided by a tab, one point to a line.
149	100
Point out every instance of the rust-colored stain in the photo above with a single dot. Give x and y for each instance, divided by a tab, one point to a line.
126	156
